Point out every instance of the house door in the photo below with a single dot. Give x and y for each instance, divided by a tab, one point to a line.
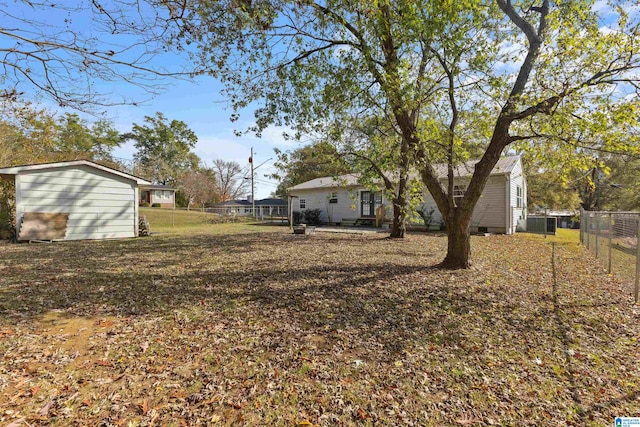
369	202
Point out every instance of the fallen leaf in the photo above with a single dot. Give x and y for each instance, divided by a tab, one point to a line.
362	414
44	411
17	423
144	407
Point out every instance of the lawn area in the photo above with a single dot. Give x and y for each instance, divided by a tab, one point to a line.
239	324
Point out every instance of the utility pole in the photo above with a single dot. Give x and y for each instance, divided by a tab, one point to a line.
253	199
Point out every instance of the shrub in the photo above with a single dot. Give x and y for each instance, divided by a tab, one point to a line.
297	217
7	210
427	217
144	204
312	216
155	205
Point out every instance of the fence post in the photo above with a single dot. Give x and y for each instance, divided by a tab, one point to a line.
597	234
637	283
610	239
173	213
581	226
545	223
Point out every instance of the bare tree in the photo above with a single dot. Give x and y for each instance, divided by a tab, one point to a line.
229	179
199	187
63	50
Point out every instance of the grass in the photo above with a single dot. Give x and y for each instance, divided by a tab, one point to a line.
194	221
248	325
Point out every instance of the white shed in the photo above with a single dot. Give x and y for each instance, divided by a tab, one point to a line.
74	200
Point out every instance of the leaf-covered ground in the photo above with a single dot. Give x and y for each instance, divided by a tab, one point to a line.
253	326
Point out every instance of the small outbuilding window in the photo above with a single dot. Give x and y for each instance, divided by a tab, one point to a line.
334	197
519	203
303	203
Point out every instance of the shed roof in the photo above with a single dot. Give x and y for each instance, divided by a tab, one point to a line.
504	166
14	170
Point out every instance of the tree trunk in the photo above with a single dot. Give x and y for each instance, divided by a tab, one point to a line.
458	242
399	227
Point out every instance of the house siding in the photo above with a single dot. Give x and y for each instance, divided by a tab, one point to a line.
518	213
329	212
490	211
100	205
167	203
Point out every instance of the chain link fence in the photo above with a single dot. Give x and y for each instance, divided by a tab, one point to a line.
613	238
177	217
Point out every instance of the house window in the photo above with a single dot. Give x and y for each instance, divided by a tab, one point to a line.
458	191
159	194
167	195
333	198
519	203
303	203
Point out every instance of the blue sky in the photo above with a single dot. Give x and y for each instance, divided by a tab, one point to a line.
197	103
200	106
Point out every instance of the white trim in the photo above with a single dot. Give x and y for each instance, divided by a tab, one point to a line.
17	169
509	213
19	208
136	213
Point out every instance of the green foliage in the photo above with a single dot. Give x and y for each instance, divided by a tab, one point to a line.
433	82
155	205
427	216
163	148
620	189
312	216
7	209
31	135
316	160
297	217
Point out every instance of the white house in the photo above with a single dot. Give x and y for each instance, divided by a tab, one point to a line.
501	208
74	200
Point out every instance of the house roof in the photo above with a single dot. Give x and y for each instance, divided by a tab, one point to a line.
504	166
348	180
14	170
244	202
271	202
241	202
157	187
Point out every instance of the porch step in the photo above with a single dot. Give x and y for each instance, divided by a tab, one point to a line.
358	222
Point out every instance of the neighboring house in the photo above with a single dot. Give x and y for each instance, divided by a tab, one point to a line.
264	207
272	207
566	218
156	194
232	207
501	208
74	200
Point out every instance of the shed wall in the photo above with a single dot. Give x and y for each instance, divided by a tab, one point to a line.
100	205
